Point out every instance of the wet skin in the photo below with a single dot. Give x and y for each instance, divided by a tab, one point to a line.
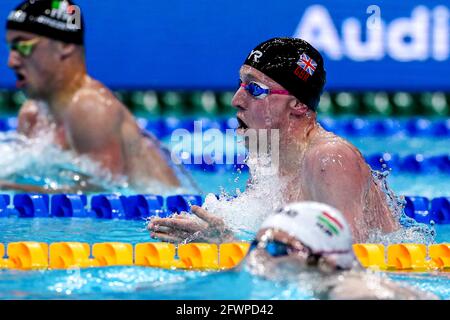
321	275
314	164
82	113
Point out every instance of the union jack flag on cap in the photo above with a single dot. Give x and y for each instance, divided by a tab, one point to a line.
307	64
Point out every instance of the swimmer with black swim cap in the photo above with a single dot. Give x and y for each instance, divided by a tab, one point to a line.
281	82
47	55
310	243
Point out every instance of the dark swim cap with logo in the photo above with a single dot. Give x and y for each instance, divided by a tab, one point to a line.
294	64
54	19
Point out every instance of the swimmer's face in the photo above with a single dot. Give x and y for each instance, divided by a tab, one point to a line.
36	71
271	112
288	255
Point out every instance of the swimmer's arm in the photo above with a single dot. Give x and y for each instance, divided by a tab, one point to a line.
336	177
361	287
146	159
6	185
12	186
29	120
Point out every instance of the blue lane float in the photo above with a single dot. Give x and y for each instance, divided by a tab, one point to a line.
4	126
32	205
355	126
144	206
8	124
4	203
383	161
350	127
418	209
385	127
69	206
180	203
108	206
418	127
214	163
440	210
440	163
414	163
441	128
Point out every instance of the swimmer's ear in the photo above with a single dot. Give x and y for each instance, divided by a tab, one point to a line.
297	108
66	49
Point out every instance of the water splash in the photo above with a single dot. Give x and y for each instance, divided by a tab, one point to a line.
245	212
38	161
411	231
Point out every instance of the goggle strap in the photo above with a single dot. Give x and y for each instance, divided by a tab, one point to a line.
265	91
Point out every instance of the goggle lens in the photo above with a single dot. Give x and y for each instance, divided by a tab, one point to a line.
273	248
24	48
254	89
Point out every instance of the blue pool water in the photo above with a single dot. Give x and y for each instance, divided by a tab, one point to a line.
148	283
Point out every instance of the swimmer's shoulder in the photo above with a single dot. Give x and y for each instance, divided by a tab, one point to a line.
95	100
331	147
97	93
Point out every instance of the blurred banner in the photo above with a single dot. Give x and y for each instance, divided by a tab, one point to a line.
200	44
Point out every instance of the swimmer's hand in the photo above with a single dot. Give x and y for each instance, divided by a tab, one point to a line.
183	229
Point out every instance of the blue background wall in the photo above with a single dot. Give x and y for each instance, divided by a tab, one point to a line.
199	44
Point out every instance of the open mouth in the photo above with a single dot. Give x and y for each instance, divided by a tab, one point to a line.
241	124
20	80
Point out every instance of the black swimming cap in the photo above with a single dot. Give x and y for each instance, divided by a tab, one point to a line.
294	64
55	19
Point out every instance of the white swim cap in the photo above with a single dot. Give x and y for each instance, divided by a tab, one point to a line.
319	226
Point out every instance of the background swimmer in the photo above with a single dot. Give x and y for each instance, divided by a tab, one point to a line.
311	242
280	86
48	58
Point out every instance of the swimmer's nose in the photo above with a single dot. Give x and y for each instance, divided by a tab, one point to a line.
238	100
14	60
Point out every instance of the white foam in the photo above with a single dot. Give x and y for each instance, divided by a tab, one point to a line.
248	210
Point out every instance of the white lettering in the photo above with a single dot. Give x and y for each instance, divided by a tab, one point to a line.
18	16
374	21
181	140
186	310
198	142
423	35
74	18
60	12
256	55
317	28
213	151
357	50
415	29
441	33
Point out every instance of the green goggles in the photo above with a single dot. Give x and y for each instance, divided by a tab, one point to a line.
24	47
